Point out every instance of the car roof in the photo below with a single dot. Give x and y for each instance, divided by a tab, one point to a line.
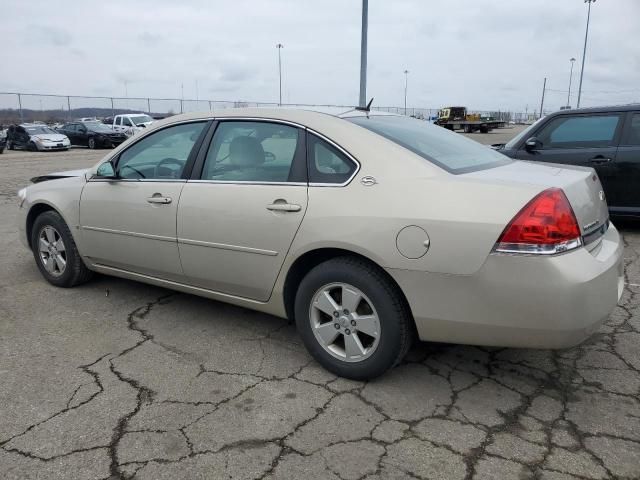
607	109
300	115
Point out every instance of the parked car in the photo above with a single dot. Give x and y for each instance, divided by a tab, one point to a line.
365	228
131	123
3	139
605	138
92	134
36	137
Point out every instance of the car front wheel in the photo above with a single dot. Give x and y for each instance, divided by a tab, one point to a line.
56	253
352	319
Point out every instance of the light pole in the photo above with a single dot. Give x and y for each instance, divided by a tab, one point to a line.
280	47
363	54
584	51
572	60
406	80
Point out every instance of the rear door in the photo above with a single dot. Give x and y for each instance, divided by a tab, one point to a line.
589	140
627	180
238	216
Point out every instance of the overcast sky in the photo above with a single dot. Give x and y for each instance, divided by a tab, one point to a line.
488	54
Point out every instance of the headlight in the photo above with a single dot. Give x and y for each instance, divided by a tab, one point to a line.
22	196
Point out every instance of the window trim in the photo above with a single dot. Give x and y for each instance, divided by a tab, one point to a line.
188	167
299	154
341	150
615	141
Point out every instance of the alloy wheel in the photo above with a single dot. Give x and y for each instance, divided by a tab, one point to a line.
52	251
344	322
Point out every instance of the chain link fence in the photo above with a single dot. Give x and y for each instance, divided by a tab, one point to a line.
18	107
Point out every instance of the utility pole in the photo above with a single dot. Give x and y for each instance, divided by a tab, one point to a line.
406	80
572	60
280	47
363	54
584	50
544	88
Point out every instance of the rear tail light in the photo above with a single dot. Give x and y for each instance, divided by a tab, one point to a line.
546	225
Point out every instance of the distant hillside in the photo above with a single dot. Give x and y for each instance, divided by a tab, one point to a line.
10	115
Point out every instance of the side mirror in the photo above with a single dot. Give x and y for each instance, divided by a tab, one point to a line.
106	170
532	144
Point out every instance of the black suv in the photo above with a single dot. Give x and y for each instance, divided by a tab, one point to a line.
605	138
92	134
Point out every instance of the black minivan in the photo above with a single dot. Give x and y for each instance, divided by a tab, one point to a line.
605	138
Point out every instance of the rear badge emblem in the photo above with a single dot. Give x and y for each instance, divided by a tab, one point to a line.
368	181
601	195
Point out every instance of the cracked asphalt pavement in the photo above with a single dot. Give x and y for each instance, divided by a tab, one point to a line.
118	380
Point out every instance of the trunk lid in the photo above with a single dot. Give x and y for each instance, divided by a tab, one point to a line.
581	185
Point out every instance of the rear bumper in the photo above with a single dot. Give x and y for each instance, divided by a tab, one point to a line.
519	301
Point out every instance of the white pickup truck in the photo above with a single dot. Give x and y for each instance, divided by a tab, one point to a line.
130	123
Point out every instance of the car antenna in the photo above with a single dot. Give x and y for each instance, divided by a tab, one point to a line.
367	108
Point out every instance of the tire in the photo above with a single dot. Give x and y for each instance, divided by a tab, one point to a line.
32	147
379	299
484	129
75	271
91	143
9	145
468	129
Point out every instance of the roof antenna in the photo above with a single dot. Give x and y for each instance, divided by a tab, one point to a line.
367	108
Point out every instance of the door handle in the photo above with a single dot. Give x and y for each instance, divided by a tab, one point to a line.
599	159
284	207
157	198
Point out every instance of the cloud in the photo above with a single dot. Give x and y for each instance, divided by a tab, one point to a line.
48	35
489	55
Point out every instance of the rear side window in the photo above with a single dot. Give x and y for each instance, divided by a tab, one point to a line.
585	131
327	164
633	132
450	151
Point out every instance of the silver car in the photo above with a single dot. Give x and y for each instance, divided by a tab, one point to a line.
367	229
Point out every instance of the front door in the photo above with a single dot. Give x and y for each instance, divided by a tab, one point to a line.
237	219
588	140
130	222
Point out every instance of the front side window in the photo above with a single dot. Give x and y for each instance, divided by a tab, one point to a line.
126	122
161	155
253	152
327	164
448	150
584	131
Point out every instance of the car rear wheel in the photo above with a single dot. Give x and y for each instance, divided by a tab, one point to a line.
352	319
92	143
56	253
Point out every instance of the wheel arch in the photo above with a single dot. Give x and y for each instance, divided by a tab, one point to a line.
312	258
34	212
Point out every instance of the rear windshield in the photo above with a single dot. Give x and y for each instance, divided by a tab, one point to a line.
450	151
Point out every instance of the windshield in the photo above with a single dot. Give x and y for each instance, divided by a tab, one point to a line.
138	119
450	151
40	130
525	133
98	127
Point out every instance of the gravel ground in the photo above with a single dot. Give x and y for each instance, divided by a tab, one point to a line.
116	379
